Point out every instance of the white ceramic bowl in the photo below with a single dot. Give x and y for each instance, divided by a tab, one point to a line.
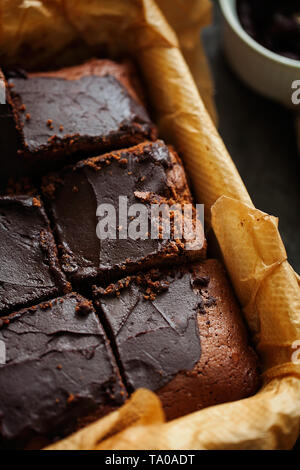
266	72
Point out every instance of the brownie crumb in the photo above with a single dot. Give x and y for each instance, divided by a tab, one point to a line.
84	307
71	398
36	202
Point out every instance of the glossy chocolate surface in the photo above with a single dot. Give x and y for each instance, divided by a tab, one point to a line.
154	325
59	368
29	268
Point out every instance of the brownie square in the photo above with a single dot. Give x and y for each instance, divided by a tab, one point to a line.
59	372
82	110
179	332
29	267
146	173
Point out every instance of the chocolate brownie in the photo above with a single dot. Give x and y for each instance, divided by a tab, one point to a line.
82	110
144	174
179	332
59	372
29	268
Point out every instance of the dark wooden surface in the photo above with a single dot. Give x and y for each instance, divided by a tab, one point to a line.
260	136
261	139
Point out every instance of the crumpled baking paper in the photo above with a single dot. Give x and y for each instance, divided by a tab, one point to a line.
163	37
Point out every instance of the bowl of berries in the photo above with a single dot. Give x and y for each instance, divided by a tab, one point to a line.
262	43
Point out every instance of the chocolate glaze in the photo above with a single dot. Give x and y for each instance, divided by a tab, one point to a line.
157	338
179	332
59	369
71	114
29	268
144	173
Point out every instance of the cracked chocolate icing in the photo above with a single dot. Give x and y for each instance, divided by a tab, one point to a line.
155	338
29	268
179	332
59	368
146	173
68	114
